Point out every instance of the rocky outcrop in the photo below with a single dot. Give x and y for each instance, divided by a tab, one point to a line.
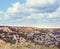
47	39
23	34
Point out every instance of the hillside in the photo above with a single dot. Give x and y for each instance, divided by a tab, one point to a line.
49	37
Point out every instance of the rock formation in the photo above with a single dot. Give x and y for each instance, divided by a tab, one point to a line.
47	37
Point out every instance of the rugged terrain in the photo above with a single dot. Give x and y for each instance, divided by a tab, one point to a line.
49	37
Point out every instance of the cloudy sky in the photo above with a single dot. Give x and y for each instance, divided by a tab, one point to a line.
38	13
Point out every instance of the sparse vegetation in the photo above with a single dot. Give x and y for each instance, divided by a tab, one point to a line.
24	46
27	38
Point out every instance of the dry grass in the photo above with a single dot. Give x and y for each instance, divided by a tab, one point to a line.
23	46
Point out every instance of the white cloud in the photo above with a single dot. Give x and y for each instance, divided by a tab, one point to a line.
15	8
38	15
40	2
18	10
1	12
13	11
42	5
55	14
32	15
1	15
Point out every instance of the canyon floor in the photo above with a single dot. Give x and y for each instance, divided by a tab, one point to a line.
14	37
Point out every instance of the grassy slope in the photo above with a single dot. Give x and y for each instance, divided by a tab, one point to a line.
23	46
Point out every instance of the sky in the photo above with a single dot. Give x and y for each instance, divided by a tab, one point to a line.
35	13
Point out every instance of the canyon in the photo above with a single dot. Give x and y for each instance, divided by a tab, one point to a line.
42	36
